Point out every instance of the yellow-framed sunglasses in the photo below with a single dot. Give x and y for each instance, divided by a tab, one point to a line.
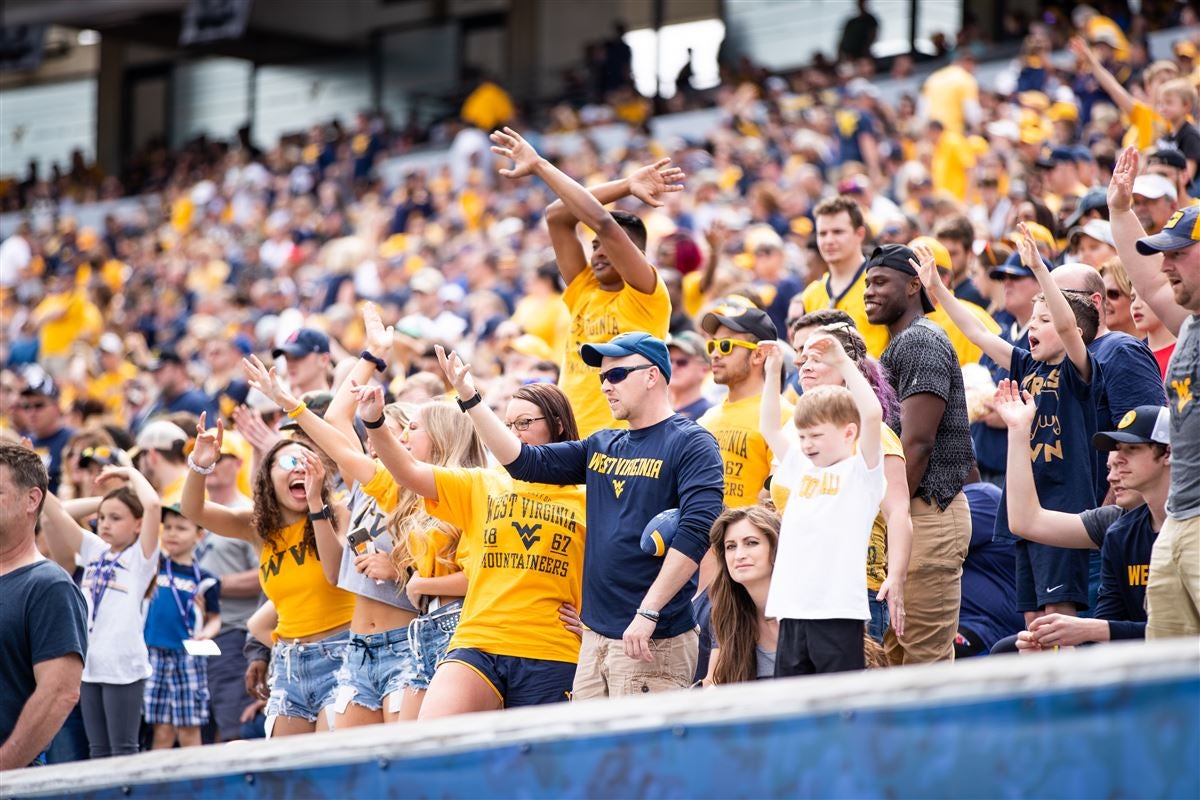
725	346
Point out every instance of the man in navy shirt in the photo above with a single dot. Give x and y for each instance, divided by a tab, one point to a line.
662	461
45	425
43	620
989	582
176	392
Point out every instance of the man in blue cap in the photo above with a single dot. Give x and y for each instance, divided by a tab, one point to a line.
308	360
662	461
1165	271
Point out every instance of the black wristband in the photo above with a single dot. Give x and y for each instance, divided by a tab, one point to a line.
380	364
467	405
316	516
373	424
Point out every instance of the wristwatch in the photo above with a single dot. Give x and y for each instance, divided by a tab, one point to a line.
467	405
324	513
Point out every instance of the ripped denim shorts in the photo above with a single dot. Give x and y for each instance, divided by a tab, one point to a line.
376	666
429	636
303	677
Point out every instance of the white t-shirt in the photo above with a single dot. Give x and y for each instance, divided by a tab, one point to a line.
116	643
823	538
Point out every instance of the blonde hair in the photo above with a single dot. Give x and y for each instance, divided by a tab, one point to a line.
827	404
1113	268
455	444
1160	67
1181	88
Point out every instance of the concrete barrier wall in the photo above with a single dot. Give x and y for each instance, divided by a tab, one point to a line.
1116	721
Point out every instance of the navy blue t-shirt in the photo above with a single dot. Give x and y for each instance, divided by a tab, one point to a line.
989	578
42	617
695	409
173	614
1061	439
50	449
631	476
702	611
1130	378
1124	570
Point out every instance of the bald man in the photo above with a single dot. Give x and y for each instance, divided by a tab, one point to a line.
1128	372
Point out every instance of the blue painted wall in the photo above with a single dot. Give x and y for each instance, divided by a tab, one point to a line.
1131	740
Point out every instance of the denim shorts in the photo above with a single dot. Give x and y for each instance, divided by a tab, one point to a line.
303	677
429	637
376	665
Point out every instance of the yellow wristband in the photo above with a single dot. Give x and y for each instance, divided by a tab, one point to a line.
298	410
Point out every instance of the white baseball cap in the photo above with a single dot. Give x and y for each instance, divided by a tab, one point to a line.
1154	187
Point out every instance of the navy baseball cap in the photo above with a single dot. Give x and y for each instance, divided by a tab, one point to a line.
628	344
1094	200
1141	425
302	342
1014	267
1182	230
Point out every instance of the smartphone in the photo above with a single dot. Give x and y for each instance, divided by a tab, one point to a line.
360	541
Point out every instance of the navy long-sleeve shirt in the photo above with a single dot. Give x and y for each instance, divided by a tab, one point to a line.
632	475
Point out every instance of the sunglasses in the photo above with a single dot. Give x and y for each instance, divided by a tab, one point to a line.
522	424
725	346
618	374
680	363
288	463
1113	294
96	452
34	406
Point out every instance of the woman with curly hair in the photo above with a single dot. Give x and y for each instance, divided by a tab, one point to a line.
291	505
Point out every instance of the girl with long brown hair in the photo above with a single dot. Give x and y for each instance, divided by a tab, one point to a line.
744	540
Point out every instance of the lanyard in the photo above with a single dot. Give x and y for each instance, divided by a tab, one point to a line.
106	570
184	608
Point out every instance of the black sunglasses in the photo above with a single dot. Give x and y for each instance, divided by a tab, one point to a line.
618	374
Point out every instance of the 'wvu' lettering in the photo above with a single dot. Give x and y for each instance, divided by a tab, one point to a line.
626	467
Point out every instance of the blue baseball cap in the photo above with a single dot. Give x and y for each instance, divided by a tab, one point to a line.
628	344
302	342
1015	268
1182	230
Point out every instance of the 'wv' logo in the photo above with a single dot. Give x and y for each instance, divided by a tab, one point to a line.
528	534
1183	393
618	487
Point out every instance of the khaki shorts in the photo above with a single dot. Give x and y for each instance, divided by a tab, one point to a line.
605	671
1173	587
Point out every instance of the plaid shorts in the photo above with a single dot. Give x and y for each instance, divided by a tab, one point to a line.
177	691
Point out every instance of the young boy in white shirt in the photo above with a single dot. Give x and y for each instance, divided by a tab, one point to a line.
819	592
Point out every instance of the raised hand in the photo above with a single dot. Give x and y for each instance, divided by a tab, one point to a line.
112	475
826	350
379	338
207	448
1120	188
370	401
1014	406
926	267
458	373
509	144
314	479
1080	49
252	428
267	381
652	180
1027	247
774	357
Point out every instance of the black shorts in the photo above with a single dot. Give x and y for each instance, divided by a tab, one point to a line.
1048	575
817	646
518	681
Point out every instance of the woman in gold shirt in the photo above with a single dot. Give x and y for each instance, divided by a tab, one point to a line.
525	557
291	500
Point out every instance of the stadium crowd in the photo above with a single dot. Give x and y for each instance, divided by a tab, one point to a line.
300	452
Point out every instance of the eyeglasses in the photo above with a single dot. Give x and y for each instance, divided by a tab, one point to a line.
618	374
34	406
1113	294
680	363
725	346
522	424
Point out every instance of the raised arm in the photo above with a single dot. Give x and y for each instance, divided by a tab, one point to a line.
407	471
380	342
770	408
503	443
330	530
1061	314
214	517
829	351
645	184
349	456
148	497
64	537
627	259
1108	82
1026	516
972	327
1145	272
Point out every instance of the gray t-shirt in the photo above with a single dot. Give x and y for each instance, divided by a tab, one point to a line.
1183	384
1096	521
223	556
365	514
766	663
